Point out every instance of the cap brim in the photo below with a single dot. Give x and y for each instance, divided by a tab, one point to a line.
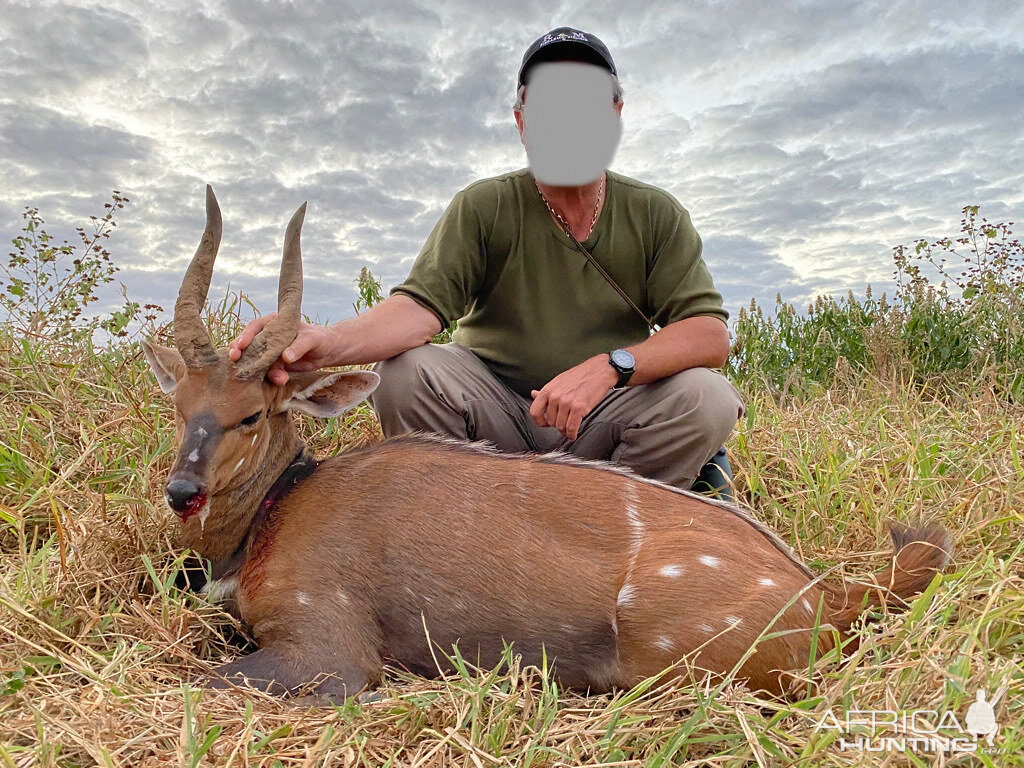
565	51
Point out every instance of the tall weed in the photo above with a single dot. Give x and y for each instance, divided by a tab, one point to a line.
955	318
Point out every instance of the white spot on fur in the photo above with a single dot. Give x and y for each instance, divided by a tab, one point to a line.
806	605
766	583
626	594
409	590
556	457
254	439
732	621
241	461
615	627
671	571
343	598
665	643
201	432
303	598
706	629
709	560
194	456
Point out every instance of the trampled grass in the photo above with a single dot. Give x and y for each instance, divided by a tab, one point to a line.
96	642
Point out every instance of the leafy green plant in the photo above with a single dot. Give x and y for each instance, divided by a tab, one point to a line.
369	289
976	311
983	260
789	350
956	316
371	294
45	287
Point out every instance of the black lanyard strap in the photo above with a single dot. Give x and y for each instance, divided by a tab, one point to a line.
647	321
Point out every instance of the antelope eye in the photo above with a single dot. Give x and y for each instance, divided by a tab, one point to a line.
248	421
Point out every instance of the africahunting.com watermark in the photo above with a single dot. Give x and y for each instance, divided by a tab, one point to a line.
918	730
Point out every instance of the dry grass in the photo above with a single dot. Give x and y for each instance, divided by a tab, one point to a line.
95	641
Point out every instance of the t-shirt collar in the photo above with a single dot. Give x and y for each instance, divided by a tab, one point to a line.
595	235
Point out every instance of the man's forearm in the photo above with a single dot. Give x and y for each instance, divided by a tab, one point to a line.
396	324
692	342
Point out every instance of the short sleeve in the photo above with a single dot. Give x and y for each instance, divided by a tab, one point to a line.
679	284
449	270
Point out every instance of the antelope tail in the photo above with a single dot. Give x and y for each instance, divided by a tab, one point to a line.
918	554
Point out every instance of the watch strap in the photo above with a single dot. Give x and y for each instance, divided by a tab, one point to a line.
625	374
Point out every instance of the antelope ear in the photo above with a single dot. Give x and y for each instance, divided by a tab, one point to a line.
329	394
167	364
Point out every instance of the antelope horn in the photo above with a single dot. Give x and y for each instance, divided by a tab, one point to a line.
190	334
279	332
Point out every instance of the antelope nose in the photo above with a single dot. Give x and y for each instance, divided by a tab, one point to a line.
179	493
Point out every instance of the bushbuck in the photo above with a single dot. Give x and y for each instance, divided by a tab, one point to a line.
340	565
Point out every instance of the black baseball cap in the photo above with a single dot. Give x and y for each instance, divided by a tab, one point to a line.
566	43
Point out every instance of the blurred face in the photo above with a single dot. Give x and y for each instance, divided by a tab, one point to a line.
569	123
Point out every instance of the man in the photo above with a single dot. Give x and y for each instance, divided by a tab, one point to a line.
548	354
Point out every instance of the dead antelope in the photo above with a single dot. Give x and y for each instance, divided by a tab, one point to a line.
338	565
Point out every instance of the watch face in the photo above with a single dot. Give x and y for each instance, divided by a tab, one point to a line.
623	359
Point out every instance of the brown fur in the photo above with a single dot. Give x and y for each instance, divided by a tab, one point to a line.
918	554
397	545
612	577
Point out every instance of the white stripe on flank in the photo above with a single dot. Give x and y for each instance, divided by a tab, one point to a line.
636	525
626	594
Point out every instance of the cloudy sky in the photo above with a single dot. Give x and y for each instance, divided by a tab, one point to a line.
805	138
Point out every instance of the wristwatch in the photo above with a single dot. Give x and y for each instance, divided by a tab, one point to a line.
623	362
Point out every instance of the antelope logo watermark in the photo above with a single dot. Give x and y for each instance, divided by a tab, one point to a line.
918	730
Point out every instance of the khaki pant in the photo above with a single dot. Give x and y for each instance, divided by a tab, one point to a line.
666	430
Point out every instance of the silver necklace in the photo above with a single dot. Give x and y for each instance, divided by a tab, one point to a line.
563	222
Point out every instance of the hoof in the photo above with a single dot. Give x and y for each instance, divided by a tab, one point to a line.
370	697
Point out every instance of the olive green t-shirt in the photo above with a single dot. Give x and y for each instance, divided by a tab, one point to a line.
529	304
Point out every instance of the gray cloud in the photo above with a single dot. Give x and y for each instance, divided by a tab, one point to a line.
805	139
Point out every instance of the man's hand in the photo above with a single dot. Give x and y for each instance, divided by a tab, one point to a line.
570	396
312	349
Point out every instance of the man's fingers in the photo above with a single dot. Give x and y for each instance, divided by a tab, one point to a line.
562	416
540	404
572	426
277	374
298	348
248	334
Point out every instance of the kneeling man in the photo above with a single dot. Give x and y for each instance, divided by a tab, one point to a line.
556	276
